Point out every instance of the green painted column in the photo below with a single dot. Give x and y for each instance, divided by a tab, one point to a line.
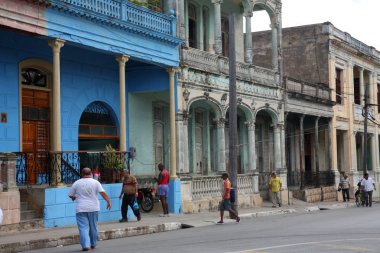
221	146
207	143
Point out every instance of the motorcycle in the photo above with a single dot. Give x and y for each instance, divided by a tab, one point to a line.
145	198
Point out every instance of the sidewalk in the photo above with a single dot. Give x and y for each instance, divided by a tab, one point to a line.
150	223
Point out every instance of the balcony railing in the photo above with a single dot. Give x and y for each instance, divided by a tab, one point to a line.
311	90
52	167
217	64
207	187
120	10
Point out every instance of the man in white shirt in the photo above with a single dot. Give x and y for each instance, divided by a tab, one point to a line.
85	191
368	187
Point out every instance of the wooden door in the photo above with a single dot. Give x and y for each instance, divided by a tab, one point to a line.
35	133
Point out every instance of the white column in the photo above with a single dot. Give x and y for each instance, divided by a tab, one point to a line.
181	18
374	150
221	145
56	45
186	168
248	55
217	26
277	147
180	144
122	59
251	147
173	148
283	150
362	88
274	27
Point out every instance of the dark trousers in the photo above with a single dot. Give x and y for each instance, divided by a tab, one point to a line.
128	200
368	198
346	194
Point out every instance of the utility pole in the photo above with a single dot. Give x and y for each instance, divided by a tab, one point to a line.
365	151
232	120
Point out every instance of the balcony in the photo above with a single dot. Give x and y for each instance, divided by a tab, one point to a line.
122	14
307	91
217	64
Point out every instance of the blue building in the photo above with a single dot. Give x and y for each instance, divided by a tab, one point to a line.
77	76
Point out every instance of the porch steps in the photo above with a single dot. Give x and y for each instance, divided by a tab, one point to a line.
27	213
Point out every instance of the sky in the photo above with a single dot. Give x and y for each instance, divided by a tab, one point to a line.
359	18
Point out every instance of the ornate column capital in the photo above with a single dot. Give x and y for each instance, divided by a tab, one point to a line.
221	123
56	44
172	70
122	59
248	14
217	1
251	125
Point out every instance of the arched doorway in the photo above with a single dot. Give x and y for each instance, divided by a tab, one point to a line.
97	128
203	137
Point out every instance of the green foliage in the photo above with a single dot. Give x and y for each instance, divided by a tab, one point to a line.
113	159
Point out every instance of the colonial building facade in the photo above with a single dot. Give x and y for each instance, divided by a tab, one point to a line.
203	107
329	58
78	78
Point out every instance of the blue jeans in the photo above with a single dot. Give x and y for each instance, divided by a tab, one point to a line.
88	228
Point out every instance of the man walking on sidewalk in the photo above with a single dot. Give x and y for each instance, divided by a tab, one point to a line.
368	186
225	204
274	189
345	185
129	194
85	191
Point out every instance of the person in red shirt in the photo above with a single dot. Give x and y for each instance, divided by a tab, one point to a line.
163	188
225	204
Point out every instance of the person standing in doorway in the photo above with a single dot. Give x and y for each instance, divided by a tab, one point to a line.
85	191
345	186
368	185
129	193
275	186
163	188
225	204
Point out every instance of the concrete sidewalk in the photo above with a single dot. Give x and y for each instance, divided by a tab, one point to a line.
150	223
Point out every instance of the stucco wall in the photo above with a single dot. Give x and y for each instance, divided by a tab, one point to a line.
59	210
305	52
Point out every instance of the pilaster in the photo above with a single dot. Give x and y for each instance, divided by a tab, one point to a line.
277	147
251	146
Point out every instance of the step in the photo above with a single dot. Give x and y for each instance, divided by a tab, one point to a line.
23	226
28	215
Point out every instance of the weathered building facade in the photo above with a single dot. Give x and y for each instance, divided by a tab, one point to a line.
330	59
203	88
75	77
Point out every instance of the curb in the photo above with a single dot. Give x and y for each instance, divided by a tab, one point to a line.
74	239
267	213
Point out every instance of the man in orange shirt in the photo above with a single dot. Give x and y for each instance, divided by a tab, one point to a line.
225	204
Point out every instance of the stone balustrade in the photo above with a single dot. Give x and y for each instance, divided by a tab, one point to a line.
312	90
208	187
217	64
358	45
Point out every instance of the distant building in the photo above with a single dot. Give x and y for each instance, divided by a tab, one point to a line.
322	55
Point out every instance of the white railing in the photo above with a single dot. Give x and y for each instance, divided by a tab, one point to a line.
318	91
200	59
212	186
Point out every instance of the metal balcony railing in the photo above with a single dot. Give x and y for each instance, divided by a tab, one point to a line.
65	167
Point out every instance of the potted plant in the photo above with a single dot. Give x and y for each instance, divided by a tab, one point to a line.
114	164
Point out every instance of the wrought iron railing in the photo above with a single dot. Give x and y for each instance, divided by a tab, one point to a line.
311	179
64	167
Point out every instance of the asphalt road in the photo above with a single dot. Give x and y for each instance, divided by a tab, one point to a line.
342	230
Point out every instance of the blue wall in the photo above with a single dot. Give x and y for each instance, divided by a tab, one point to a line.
86	76
60	211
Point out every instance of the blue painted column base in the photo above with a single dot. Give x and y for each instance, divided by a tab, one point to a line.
174	199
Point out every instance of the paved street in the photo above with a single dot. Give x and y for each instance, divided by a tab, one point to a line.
341	230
